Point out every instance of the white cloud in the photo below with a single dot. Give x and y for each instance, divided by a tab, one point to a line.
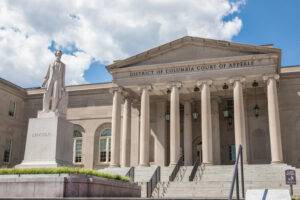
104	30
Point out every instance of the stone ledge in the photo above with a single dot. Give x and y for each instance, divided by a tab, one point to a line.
64	185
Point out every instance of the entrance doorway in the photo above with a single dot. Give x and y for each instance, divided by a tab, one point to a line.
197	149
227	140
199	152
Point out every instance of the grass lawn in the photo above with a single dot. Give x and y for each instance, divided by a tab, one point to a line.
62	170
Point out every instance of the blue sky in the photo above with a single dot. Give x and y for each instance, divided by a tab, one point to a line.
273	21
93	35
264	22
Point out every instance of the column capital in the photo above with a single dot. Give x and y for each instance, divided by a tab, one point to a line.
204	81
127	95
145	87
267	77
115	89
235	79
175	84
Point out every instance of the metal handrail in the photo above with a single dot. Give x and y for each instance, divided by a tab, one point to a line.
153	182
176	169
235	177
194	170
130	174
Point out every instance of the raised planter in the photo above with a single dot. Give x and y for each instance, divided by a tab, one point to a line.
65	185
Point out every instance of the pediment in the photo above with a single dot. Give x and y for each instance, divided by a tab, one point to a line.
189	52
192	48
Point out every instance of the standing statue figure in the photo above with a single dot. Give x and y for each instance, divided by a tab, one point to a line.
55	96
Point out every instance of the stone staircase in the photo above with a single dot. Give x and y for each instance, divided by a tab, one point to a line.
187	172
165	172
211	182
142	175
215	181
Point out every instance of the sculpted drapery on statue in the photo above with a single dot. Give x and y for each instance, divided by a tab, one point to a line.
49	136
55	95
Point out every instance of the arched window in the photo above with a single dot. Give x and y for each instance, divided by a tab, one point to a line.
77	144
104	145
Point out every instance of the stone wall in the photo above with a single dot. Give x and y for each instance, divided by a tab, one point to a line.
12	128
289	105
62	185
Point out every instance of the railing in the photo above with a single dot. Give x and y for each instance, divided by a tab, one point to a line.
153	182
194	170
130	174
176	169
235	177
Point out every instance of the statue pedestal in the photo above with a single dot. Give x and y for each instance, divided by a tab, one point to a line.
49	142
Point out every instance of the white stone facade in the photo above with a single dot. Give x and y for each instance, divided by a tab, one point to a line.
170	101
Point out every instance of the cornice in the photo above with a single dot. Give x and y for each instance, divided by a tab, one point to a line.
198	61
12	89
73	88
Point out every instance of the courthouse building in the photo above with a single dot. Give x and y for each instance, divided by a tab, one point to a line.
192	97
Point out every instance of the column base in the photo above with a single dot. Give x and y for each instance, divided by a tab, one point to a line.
277	162
207	164
114	165
144	165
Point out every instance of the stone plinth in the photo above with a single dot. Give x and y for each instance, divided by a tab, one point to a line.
64	185
49	142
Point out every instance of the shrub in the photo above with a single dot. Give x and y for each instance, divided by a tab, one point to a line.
62	170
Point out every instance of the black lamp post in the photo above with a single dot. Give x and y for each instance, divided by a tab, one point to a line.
226	112
167	116
195	115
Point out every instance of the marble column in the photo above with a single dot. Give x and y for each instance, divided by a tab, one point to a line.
88	145
116	127
207	154
145	126
126	133
188	134
174	124
274	120
239	115
160	135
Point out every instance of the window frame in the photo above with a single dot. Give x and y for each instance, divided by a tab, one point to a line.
75	140
107	147
14	110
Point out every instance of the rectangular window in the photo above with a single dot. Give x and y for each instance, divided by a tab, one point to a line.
12	108
102	146
78	150
7	151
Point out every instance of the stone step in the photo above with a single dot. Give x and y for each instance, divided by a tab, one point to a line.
223	184
165	173
215	181
187	173
143	174
111	198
